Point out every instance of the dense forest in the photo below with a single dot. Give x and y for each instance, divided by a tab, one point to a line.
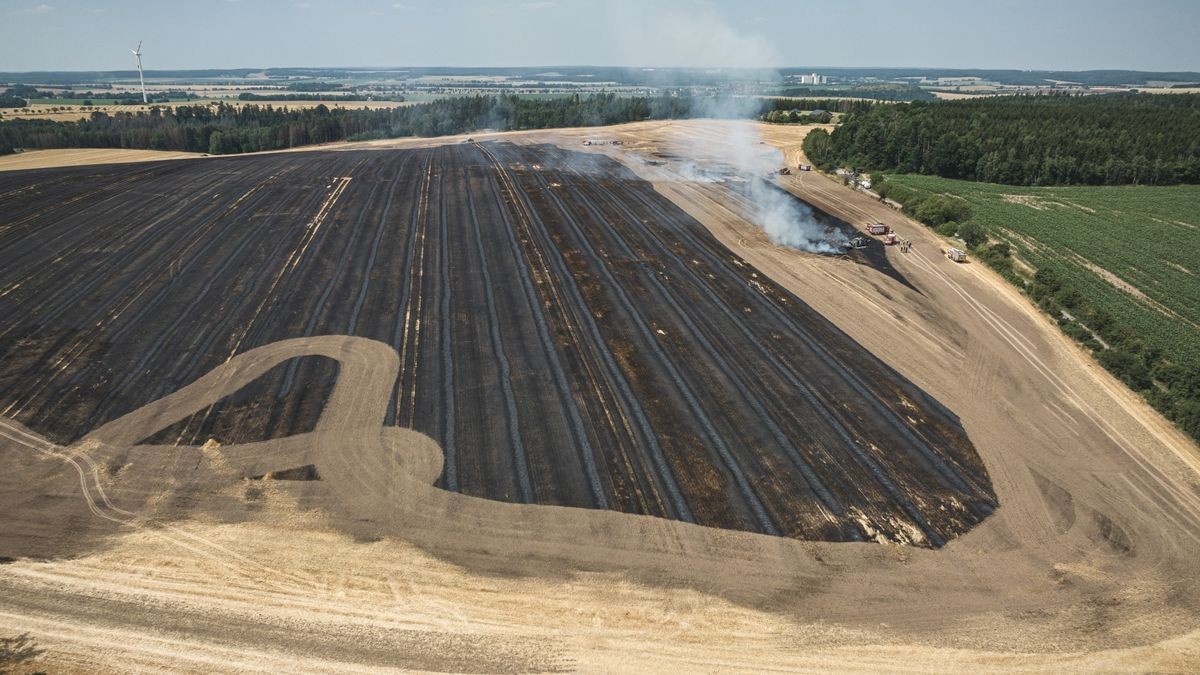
807	110
841	105
1138	139
227	129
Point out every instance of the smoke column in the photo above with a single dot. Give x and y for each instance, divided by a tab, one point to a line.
695	35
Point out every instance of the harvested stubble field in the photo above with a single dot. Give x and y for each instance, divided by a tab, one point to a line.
49	159
566	334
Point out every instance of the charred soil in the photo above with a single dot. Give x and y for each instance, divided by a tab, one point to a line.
568	335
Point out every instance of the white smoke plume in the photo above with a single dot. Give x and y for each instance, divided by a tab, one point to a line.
786	220
694	34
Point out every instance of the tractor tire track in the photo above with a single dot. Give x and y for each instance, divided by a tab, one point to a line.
527	219
512	419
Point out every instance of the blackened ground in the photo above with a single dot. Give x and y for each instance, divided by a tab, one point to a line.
568	335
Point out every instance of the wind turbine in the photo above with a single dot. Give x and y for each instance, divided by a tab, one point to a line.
137	53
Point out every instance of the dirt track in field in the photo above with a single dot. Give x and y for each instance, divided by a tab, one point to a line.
1088	563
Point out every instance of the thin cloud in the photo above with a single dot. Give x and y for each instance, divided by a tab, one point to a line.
36	9
540	4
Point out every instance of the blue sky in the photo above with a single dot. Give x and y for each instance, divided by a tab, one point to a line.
1026	34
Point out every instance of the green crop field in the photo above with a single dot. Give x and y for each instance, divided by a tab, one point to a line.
1133	251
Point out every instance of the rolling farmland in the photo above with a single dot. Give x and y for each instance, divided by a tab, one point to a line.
342	549
567	335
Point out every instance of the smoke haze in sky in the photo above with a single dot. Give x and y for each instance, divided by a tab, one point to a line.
785	220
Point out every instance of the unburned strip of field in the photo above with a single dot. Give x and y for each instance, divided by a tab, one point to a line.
568	335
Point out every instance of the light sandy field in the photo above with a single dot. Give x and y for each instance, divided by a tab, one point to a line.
1088	565
1168	90
67	112
958	95
977	92
46	159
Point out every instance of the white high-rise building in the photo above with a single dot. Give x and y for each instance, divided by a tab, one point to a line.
813	79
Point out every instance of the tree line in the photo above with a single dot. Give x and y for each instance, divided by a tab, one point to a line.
1170	387
228	129
248	96
841	105
1120	139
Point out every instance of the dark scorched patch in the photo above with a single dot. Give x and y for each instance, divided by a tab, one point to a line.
566	333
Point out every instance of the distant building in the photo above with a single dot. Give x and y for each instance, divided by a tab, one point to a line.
814	79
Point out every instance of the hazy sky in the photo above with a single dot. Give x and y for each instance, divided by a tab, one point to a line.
1027	34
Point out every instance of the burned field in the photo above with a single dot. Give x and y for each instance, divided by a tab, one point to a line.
568	335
